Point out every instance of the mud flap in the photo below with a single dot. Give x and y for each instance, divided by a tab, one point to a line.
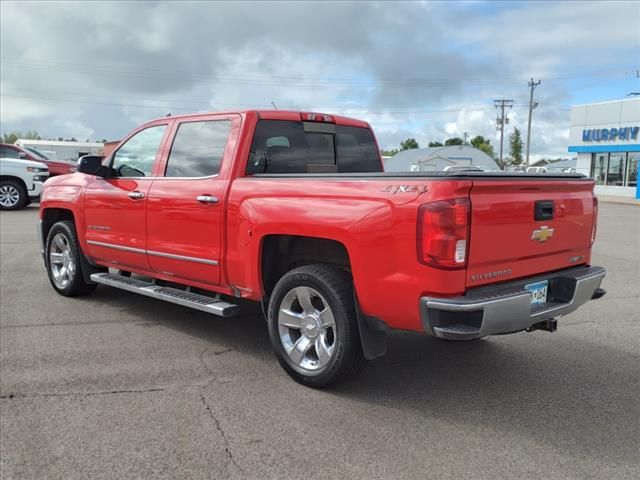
373	333
88	269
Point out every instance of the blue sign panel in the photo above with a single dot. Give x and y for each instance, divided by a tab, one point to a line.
608	134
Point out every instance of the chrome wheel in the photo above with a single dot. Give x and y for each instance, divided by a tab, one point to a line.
61	261
307	329
9	196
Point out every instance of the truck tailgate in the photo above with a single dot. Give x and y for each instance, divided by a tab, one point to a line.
521	228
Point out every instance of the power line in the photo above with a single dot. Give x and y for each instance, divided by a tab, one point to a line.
290	80
199	102
175	106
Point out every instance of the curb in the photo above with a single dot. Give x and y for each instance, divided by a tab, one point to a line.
620	201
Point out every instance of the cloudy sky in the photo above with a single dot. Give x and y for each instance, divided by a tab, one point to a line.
428	70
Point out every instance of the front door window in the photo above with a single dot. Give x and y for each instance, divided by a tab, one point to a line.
135	158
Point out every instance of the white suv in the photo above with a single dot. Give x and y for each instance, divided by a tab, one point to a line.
20	182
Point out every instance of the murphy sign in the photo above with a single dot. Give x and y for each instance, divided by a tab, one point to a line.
604	134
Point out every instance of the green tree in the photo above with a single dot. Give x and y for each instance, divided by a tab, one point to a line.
453	141
408	144
32	135
483	144
515	147
436	144
11	137
389	153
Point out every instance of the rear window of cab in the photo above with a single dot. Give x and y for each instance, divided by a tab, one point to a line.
284	146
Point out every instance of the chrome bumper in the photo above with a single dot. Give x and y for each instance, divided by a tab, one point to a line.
507	308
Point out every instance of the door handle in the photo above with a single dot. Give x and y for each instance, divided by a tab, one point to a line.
207	199
136	195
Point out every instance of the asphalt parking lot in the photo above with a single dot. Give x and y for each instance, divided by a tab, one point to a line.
116	385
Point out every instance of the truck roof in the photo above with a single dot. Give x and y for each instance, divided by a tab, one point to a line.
291	115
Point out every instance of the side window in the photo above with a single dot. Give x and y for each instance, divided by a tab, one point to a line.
198	148
136	157
6	152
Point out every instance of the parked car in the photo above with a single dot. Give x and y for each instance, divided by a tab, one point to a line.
537	170
56	167
293	210
20	182
463	168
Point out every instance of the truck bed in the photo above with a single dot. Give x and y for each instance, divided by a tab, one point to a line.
434	175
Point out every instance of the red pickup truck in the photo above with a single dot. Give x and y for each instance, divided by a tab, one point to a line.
17	152
293	210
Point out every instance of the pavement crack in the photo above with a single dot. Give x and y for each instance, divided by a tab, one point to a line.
66	324
204	364
77	394
225	440
608	322
213	352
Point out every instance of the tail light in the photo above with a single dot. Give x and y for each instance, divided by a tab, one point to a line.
317	117
443	233
595	221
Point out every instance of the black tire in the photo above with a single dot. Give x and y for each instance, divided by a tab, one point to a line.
76	284
336	286
11	186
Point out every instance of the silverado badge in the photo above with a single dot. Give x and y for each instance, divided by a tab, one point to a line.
542	234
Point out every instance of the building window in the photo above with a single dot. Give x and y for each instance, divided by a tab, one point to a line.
632	169
616	169
599	167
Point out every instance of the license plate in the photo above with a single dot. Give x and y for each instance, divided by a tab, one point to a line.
538	292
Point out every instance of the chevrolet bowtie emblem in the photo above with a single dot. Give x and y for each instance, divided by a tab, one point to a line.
542	234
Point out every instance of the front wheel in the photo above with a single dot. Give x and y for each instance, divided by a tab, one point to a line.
313	327
62	259
13	195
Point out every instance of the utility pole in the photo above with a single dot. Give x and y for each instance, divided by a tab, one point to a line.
501	121
466	135
532	86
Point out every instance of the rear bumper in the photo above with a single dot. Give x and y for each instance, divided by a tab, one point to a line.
507	308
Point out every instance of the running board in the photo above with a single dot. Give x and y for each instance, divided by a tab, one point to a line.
196	301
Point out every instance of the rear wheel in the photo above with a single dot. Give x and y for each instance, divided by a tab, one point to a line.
62	258
313	327
13	195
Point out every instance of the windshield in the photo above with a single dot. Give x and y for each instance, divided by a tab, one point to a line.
37	153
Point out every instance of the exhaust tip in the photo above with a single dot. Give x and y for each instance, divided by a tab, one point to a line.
598	293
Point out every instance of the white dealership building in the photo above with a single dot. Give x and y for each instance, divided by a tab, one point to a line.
606	138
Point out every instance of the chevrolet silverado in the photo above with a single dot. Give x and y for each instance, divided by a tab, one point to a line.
293	210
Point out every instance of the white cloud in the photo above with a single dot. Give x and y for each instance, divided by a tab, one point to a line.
425	70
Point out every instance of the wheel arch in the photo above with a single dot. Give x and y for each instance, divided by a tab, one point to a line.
52	215
280	253
15	179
